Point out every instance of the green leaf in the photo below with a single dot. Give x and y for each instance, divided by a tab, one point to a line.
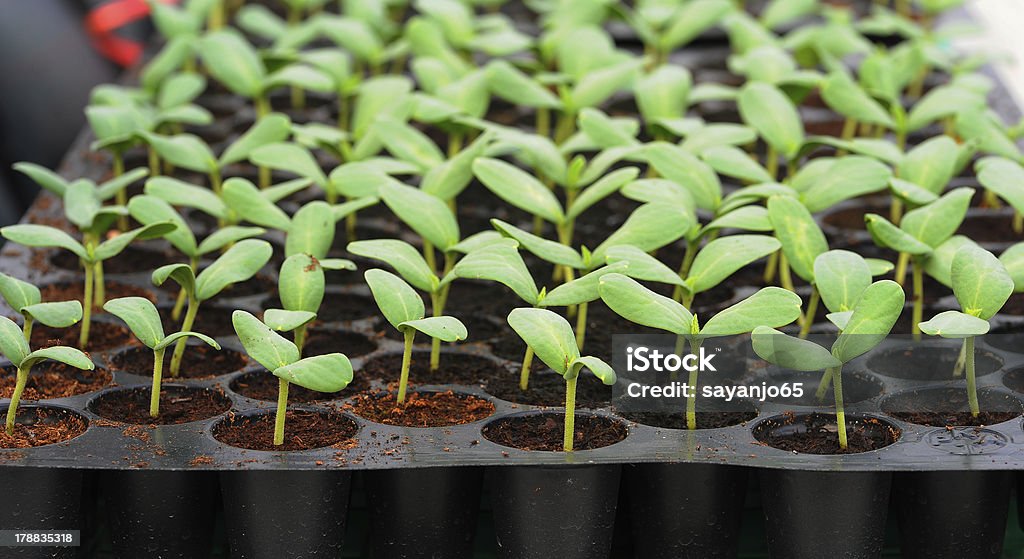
790	352
141	317
943	101
397	300
244	199
649	227
643	266
239	263
148	210
444	328
732	161
931	164
873	317
663	93
180	193
67	355
500	261
311	231
301	284
772	114
769	306
321	373
955	324
840	277
518	188
270	129
549	335
262	344
724	256
173	338
300	76
847	98
1004	177
55	315
409	144
778	13
597	86
401	256
289	157
341	211
887	235
939	263
187	151
285	321
582	289
936	222
43	177
227	236
604	187
232	61
449	179
801	238
911	192
640	305
692	19
42	236
980	281
181	274
1013	259
680	166
12	341
848	177
113	246
17	293
547	250
514	86
429	216
604	131
378	96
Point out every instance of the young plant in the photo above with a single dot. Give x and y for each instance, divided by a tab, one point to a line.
92	252
323	373
16	349
25	299
552	339
239	263
870	321
770	306
665	27
981	284
403	308
920	232
802	242
301	289
144	321
1003	177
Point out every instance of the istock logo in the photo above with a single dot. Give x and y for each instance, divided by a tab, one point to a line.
642	359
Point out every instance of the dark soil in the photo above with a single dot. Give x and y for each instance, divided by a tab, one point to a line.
50	380
132	260
482	297
263	385
303	430
66	291
546	388
948	407
929	362
37	426
1014	305
338	307
990	228
102	336
211	320
677	420
817	434
178	404
455	368
481	328
546	431
422	409
199	361
322	341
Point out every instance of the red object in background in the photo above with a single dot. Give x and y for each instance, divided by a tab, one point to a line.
105	23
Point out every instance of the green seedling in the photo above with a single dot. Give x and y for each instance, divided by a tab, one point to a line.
323	373
920	232
239	263
665	27
493	35
870	321
1003	177
551	337
301	289
144	321
403	308
16	349
770	306
981	284
25	299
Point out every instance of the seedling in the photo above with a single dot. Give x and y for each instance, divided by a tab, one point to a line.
1003	177
551	337
403	308
239	263
93	219
323	373
24	298
981	284
144	321
920	232
770	306
301	289
802	242
667	27
16	349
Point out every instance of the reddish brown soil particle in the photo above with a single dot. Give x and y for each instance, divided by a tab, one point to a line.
303	430
422	409
51	380
262	385
177	405
74	292
102	336
201	461
198	362
817	434
455	368
677	420
42	426
546	432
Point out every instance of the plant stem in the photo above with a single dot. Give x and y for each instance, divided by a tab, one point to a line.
435	343
581	324
812	309
901	267
684	269
298	97
524	373
186	326
918	276
154	162
179	304
27	328
428	255
958	368
121	197
83	337
100	294
158	371
772	163
972	387
823	384
785	279
896	210
300	337
691	402
566	127
12	408
1018	222
837	383
403	380
770	267
282	411
570	414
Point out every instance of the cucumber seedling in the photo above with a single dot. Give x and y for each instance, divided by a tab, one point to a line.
25	299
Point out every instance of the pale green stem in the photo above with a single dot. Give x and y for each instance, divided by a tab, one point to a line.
958	369
570	414
972	386
918	309
772	163
12	407
83	337
121	197
100	295
823	384
27	328
581	325
403	380
158	372
691	402
684	267
785	279
901	267
543	123
1018	222
428	255
300	337
812	309
186	326
770	267
435	343
524	373
837	383
282	411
